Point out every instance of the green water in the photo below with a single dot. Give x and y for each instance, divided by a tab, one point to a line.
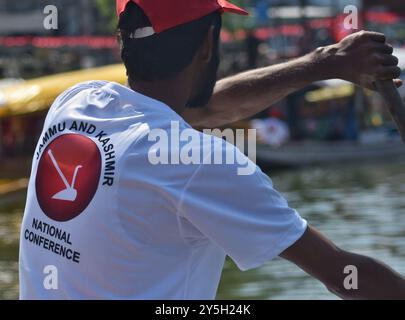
361	208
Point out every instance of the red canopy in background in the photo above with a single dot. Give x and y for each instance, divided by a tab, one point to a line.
335	25
105	42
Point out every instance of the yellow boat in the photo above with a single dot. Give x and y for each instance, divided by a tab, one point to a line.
38	94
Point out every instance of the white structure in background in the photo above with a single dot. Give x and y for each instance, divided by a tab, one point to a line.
271	131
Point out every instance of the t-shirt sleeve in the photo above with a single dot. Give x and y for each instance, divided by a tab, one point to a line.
243	214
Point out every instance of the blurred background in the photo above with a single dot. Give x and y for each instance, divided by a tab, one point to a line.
330	148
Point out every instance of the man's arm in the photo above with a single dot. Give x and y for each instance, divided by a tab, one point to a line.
360	58
320	258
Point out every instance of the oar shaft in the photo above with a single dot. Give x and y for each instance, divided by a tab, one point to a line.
394	103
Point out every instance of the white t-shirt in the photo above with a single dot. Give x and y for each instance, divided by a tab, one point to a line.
102	221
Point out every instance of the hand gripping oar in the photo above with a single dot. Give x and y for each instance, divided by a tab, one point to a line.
394	103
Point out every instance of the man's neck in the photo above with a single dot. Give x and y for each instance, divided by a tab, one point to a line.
172	93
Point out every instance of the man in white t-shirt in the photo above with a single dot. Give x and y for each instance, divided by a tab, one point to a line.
125	200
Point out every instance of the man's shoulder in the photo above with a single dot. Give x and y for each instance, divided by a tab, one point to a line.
176	143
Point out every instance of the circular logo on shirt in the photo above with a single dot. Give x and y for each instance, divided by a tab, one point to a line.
67	177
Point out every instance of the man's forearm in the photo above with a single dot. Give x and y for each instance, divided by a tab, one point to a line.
246	94
375	280
323	260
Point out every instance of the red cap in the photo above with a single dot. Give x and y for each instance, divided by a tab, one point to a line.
166	14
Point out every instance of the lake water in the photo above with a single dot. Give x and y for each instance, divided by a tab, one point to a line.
360	208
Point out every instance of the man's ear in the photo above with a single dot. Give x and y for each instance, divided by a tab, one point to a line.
207	46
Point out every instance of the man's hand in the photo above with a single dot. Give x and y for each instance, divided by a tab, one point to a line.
363	58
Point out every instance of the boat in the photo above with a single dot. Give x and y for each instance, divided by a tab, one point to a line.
12	190
302	154
38	94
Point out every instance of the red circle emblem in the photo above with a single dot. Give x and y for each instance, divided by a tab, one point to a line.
67	177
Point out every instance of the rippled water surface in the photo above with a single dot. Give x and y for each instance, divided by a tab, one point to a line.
360	208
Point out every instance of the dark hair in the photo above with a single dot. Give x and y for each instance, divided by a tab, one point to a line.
163	55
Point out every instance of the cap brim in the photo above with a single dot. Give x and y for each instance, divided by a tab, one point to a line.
231	8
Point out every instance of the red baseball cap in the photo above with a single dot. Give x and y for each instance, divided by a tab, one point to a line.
166	14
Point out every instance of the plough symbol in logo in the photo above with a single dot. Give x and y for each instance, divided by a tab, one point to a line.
70	193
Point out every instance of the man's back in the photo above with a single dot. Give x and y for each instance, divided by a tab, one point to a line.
105	227
104	220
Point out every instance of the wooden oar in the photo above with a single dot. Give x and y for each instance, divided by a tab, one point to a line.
394	103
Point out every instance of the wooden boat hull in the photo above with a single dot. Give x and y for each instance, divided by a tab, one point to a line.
328	153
